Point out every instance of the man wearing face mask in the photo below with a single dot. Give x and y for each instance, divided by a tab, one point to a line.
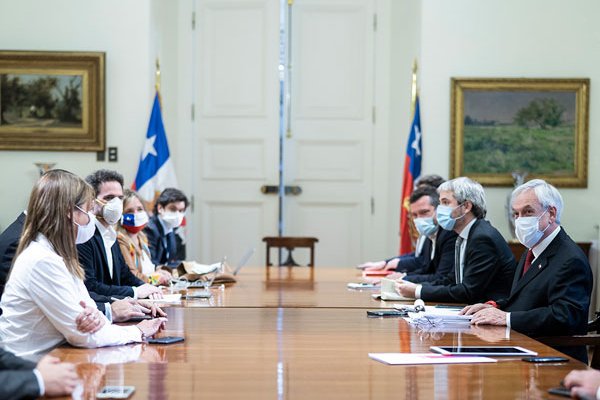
169	211
551	289
483	263
105	270
438	244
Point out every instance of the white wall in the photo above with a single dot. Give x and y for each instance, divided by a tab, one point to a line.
504	38
121	28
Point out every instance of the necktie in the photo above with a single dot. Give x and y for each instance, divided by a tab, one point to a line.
457	245
528	260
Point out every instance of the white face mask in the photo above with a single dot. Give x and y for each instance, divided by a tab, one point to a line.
528	231
85	232
112	210
172	219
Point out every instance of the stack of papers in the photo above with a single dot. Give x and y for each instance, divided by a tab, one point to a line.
437	316
426	358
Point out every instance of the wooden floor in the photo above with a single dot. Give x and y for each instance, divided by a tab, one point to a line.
306	340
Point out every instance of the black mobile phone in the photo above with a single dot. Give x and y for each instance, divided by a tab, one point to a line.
139	318
545	359
386	313
560	391
166	340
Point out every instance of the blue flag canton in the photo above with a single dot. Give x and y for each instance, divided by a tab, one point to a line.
156	148
414	147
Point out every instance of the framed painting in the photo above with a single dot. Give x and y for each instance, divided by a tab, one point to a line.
532	127
52	101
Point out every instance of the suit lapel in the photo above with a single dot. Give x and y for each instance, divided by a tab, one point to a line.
100	244
538	266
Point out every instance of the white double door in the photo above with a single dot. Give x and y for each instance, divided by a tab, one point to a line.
328	150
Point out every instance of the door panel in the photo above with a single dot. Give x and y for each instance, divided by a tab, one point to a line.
329	152
237	44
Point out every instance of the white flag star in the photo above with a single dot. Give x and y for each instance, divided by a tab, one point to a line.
149	147
417	141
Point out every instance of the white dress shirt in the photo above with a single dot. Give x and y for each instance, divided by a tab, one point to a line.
41	302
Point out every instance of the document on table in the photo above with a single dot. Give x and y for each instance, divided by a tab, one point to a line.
427	358
167	298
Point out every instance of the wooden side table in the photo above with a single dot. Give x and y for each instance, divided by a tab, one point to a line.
290	243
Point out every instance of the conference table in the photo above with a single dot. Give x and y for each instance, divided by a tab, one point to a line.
293	339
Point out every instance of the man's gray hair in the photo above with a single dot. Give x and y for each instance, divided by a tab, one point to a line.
465	189
547	195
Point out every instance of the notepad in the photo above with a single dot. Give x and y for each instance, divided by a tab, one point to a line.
427	358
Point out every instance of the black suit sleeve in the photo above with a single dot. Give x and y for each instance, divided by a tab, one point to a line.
566	306
482	259
444	272
17	380
88	259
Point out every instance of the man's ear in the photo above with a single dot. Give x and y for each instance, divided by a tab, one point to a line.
467	206
552	213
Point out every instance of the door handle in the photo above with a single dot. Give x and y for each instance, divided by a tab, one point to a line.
269	189
293	190
288	190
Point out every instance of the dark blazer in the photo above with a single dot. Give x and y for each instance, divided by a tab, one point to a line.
17	380
440	269
9	241
489	268
410	262
92	257
553	297
163	248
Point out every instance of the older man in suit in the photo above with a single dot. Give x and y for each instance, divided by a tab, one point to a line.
552	285
483	262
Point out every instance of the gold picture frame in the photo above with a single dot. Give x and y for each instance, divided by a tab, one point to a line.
52	101
537	127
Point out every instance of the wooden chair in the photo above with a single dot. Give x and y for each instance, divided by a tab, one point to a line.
591	340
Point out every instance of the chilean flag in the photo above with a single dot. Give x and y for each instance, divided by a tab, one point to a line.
156	171
412	171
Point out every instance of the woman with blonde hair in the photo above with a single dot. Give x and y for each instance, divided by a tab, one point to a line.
45	290
134	243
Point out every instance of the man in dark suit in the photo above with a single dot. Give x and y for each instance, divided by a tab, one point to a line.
437	251
483	262
169	211
9	241
105	270
23	379
552	285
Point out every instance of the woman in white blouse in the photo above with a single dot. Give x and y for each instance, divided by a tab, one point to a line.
41	300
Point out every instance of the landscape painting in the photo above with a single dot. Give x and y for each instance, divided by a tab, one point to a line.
52	101
535	127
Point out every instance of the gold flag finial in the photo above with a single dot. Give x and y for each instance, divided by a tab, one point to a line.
157	79
413	88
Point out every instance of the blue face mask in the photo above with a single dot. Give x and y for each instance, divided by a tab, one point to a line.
425	226
444	216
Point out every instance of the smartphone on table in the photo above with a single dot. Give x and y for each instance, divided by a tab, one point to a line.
115	392
165	340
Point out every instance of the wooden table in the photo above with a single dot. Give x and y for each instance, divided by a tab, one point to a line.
292	287
304	353
306	341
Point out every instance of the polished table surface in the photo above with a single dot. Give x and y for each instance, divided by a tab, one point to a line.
304	352
292	287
